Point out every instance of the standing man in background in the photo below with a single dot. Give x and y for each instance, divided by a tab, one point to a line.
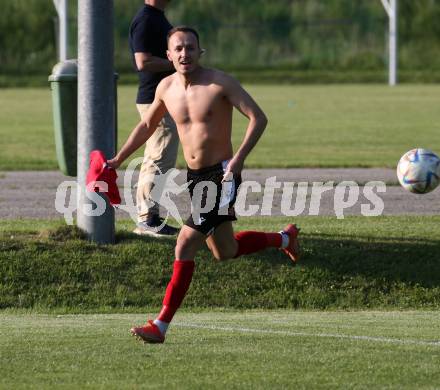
148	43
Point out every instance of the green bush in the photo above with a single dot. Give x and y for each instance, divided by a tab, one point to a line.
303	35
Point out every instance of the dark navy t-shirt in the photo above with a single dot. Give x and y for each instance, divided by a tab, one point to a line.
148	34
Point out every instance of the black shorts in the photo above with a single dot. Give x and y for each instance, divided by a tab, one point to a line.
212	202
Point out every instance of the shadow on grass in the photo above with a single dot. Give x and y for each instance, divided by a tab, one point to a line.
393	259
389	259
342	273
125	237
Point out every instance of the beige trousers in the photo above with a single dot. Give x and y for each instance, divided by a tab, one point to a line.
160	155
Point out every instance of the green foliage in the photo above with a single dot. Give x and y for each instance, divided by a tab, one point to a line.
303	35
354	263
27	36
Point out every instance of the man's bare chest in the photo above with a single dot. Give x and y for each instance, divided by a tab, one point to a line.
197	105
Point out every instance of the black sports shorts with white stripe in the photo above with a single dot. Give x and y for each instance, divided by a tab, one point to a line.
212	201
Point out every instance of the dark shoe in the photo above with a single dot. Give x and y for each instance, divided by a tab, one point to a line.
156	227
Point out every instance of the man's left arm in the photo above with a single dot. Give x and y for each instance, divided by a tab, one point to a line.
244	103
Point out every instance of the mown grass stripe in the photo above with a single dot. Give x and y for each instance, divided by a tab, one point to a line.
306	334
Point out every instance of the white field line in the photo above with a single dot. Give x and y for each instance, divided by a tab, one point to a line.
305	334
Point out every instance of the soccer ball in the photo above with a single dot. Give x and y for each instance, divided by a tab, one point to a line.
418	171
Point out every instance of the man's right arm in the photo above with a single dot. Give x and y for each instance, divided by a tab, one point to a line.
142	132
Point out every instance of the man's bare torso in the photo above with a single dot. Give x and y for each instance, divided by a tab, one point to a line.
203	115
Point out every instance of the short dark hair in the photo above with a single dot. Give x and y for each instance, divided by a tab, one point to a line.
183	29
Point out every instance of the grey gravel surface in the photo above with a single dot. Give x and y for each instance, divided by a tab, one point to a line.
33	194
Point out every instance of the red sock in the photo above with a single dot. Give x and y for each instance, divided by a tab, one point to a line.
250	242
176	289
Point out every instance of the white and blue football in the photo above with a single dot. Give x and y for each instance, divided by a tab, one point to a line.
418	171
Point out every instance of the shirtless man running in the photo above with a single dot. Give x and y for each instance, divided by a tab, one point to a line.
201	100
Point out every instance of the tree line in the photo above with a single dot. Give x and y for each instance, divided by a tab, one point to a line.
285	34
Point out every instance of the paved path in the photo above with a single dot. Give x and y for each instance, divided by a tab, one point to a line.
32	194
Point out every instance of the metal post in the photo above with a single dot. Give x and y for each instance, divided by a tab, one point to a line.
391	10
393	43
63	34
96	118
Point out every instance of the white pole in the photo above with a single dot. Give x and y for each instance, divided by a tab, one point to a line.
391	10
63	34
393	43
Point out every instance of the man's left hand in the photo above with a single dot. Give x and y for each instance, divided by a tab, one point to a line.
234	167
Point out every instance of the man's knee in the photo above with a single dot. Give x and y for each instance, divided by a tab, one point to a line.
186	246
183	244
223	253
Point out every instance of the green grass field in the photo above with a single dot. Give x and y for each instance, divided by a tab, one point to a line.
340	319
68	307
333	125
223	350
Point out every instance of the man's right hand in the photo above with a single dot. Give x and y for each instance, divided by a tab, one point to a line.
113	163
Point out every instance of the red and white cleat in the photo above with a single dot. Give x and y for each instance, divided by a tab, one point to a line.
148	333
292	250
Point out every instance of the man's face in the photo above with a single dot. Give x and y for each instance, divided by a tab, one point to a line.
183	51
